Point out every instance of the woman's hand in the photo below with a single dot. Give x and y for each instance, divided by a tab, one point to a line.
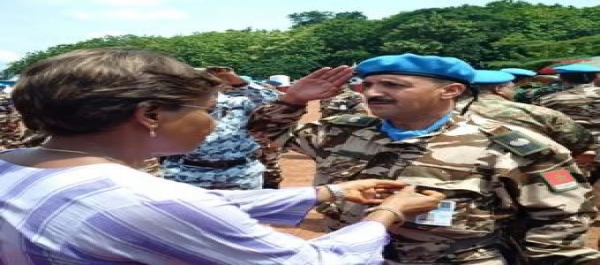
404	202
411	202
366	191
323	83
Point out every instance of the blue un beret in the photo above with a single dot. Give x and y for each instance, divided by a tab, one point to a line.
447	68
488	77
576	68
519	71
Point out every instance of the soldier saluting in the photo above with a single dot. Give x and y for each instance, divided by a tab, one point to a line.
496	178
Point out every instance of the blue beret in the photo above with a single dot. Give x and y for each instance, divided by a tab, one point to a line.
576	68
519	71
488	77
447	68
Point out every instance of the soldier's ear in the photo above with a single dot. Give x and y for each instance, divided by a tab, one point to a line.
452	90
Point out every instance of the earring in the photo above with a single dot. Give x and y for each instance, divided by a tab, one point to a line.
152	132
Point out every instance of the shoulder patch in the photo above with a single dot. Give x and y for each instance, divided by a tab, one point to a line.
517	142
354	120
559	180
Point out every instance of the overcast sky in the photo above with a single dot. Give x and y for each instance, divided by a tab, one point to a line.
35	25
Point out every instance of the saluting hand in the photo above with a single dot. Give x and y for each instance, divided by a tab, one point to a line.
323	83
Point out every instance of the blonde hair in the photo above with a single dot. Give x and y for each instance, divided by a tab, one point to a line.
92	90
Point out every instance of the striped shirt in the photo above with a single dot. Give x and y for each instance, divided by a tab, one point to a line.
112	214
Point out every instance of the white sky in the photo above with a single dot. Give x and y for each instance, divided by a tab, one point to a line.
35	25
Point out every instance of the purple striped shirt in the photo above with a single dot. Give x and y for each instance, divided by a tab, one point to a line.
112	214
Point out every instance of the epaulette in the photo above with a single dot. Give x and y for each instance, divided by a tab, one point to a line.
354	120
516	142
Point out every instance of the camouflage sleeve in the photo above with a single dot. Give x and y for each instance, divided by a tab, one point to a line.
278	122
555	200
260	95
569	133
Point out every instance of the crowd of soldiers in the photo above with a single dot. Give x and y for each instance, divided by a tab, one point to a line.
515	152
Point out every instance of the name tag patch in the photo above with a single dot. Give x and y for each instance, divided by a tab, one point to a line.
442	216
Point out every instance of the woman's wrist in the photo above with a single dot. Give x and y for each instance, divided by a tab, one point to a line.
399	217
329	193
386	218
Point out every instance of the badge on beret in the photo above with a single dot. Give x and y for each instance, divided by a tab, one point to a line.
559	180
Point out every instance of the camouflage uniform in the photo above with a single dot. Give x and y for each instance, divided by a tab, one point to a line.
529	93
11	131
581	103
268	154
495	190
348	102
226	159
556	125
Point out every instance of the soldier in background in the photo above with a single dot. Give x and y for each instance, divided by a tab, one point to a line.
496	91
580	98
531	86
581	101
268	154
495	177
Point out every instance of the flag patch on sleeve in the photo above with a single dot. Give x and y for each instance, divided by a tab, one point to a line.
559	180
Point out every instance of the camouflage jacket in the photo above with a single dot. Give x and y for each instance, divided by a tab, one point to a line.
581	103
556	125
11	130
348	102
530	93
495	190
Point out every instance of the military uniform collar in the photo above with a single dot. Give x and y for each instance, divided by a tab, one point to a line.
373	133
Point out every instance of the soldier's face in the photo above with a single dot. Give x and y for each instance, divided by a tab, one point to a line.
403	97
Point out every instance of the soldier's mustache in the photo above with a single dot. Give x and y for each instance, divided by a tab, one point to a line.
380	100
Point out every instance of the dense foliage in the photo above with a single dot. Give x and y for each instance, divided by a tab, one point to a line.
503	33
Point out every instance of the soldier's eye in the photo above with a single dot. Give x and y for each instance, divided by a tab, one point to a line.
393	84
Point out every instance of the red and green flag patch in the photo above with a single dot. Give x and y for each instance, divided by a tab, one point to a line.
559	180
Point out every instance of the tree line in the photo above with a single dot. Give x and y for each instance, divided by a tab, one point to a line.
504	33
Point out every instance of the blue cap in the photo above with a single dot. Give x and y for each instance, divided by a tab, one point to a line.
576	68
488	77
447	68
519	71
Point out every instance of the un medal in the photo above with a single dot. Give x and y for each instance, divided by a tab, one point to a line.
519	142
